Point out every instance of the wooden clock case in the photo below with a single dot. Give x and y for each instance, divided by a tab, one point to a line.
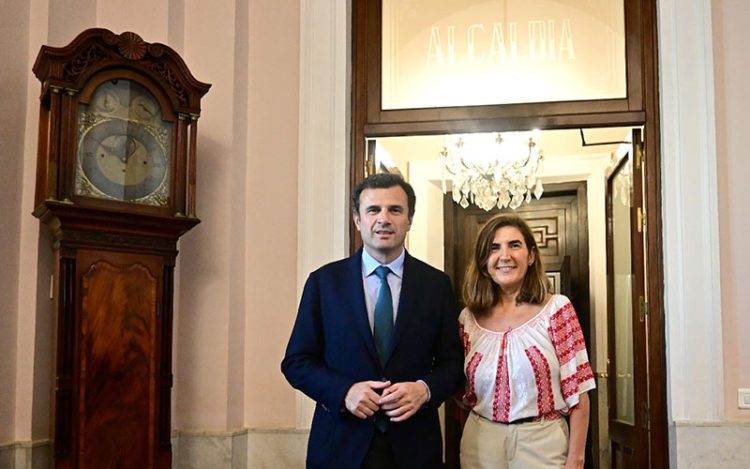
114	262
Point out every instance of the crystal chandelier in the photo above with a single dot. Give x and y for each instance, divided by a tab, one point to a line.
493	170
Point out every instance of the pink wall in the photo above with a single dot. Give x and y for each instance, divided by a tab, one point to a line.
732	67
236	271
238	267
272	208
14	38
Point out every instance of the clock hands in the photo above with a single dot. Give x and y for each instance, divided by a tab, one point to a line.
122	147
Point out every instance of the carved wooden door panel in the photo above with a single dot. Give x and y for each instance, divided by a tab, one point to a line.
559	223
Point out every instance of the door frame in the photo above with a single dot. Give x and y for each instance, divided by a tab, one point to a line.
641	109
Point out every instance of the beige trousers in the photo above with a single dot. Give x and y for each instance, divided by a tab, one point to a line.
489	445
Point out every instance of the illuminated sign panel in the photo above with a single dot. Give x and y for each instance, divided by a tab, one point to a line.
440	53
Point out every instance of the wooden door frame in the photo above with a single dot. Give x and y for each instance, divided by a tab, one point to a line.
641	108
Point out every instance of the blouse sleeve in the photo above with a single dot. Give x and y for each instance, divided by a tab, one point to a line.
576	375
465	341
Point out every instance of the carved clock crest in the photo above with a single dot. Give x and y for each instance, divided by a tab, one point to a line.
116	175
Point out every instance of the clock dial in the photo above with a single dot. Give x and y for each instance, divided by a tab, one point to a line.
145	109
106	101
123	145
123	160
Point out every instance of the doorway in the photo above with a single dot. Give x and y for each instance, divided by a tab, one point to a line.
407	62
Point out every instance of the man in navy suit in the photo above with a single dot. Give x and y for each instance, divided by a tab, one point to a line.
378	358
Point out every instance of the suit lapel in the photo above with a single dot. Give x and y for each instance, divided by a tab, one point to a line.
356	291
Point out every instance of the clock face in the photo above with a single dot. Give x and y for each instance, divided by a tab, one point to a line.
123	146
123	159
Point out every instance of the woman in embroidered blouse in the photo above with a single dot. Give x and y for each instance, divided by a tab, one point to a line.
525	358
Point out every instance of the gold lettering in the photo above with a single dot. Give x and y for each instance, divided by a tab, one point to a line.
497	44
434	50
513	38
536	40
566	40
502	46
551	40
452	45
473	58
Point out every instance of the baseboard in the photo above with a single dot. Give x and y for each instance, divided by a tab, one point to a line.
26	455
692	444
710	444
242	449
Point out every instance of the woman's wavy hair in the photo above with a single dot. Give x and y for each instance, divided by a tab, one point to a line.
480	292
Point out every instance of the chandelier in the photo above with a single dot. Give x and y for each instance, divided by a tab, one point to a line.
491	169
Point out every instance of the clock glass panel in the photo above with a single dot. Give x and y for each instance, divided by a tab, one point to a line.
124	145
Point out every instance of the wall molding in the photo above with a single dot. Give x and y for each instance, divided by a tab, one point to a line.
239	449
35	454
690	213
193	449
710	444
324	123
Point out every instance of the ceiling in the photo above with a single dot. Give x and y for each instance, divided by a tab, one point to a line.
552	142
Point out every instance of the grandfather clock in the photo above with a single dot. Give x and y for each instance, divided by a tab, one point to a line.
116	183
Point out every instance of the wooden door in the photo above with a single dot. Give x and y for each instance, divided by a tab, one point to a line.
560	226
627	349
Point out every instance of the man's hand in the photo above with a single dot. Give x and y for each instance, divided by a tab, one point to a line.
362	398
402	400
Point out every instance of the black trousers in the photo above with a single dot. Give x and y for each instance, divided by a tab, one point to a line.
380	454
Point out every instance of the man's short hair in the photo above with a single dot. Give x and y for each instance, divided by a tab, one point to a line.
384	181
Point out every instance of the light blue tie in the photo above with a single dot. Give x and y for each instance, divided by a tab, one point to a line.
383	327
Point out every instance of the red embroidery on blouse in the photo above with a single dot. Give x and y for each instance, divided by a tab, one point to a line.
470	398
547	417
501	399
566	334
570	384
465	339
545	402
584	372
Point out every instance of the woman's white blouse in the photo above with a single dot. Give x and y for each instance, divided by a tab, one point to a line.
537	369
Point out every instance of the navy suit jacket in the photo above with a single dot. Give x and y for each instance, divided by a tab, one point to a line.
332	347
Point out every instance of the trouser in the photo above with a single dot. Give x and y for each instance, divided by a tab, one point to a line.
380	453
490	445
